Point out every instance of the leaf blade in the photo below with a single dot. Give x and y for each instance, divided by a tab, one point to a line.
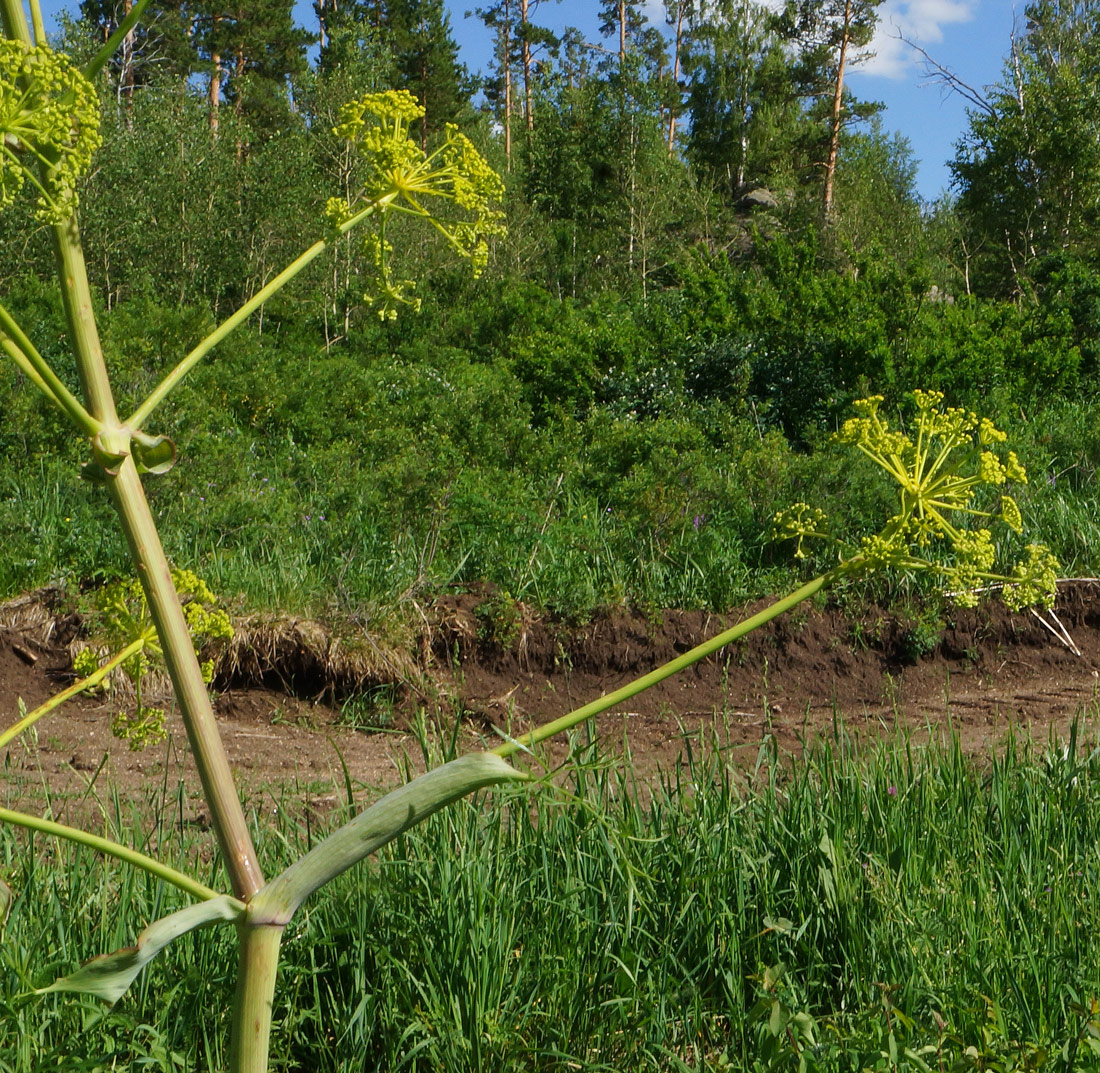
109	976
373	828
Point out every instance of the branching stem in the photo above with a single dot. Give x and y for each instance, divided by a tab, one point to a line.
138	418
76	688
632	689
111	849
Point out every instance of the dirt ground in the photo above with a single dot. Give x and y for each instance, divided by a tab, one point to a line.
287	723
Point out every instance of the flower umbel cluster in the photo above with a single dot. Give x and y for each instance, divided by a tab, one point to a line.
124	618
939	468
401	177
49	118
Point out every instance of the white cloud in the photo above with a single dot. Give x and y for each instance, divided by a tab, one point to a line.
920	21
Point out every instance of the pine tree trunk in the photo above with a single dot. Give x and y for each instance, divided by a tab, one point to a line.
126	56
676	73
528	113
838	102
214	92
622	36
506	60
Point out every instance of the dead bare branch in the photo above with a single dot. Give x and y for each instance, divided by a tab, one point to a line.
948	81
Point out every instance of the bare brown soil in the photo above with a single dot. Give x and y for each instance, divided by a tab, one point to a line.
280	702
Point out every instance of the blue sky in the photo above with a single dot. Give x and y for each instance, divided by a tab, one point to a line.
971	37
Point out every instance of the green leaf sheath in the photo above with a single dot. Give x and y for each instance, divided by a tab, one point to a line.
108	977
373	828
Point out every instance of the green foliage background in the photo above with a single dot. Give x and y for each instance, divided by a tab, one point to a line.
650	367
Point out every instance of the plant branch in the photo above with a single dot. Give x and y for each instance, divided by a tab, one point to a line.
99	61
37	23
631	689
24	353
950	82
138	418
58	699
112	849
27	368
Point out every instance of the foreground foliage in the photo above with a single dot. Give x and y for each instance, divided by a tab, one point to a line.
906	909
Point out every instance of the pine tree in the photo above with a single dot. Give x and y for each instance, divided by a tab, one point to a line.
747	121
498	90
344	25
678	15
426	60
622	20
532	40
826	35
160	47
255	45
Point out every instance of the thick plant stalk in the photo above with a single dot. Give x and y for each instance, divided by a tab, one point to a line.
128	496
76	297
226	814
256	973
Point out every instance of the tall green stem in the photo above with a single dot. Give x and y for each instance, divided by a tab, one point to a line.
76	297
128	496
258	966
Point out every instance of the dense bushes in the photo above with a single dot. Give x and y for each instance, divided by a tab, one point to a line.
578	454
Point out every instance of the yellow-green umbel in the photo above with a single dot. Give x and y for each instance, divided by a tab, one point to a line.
939	468
401	176
49	116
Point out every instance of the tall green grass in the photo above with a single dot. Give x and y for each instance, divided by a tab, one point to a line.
916	899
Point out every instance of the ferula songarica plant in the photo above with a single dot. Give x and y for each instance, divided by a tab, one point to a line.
49	128
942	469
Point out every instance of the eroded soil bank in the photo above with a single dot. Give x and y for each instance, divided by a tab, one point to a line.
296	704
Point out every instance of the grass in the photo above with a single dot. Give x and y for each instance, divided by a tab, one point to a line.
916	899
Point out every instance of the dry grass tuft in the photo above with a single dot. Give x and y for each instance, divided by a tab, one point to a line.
300	656
307	657
40	616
